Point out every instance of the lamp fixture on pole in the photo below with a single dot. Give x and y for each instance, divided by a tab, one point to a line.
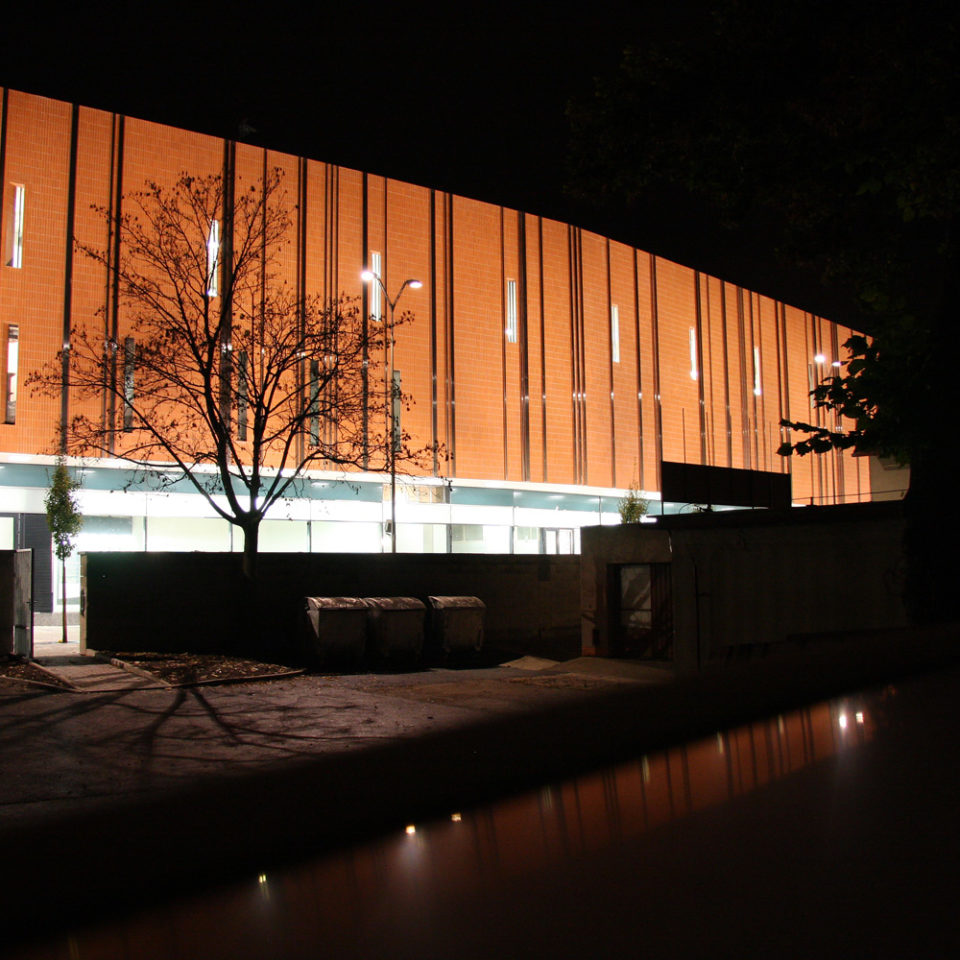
368	276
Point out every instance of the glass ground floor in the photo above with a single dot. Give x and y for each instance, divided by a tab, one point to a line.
132	510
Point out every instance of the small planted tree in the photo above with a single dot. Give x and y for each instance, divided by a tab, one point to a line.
632	506
215	367
64	520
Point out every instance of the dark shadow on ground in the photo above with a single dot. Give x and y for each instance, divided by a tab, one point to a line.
209	833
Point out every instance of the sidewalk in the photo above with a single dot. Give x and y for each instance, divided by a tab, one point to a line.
87	674
92	674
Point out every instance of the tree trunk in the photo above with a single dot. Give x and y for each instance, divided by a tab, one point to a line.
63	597
931	507
932	515
249	633
251	535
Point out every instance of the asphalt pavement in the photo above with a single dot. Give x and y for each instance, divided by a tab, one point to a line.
120	736
123	793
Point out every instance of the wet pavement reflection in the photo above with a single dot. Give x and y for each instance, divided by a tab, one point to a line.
591	864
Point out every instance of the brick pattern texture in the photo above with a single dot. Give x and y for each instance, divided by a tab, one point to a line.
705	371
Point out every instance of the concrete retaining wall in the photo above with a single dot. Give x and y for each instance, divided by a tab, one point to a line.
748	581
200	602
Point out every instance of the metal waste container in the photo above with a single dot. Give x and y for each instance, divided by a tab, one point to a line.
395	629
456	626
335	632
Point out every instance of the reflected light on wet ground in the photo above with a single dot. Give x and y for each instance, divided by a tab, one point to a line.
591	863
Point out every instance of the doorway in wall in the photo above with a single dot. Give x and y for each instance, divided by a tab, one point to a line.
642	614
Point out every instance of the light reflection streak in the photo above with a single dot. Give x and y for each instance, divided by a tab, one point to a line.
406	879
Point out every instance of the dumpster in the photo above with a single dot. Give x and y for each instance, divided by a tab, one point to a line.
395	629
456	626
335	631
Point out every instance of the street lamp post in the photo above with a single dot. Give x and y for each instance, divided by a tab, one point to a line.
368	276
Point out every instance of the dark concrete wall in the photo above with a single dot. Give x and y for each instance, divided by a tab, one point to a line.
200	602
743	581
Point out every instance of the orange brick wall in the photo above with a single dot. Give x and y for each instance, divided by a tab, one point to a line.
596	361
625	385
37	152
558	386
554	407
676	309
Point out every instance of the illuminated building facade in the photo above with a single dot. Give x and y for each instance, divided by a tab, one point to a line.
556	367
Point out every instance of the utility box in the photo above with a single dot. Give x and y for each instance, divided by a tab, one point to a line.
456	626
395	629
335	630
16	602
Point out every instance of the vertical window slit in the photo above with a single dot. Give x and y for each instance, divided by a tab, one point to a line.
213	259
12	364
242	395
376	308
511	311
615	332
314	403
129	357
15	244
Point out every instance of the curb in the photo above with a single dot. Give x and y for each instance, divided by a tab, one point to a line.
147	675
56	682
56	687
140	672
258	677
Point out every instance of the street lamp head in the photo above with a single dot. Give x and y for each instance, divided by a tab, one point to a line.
368	276
416	284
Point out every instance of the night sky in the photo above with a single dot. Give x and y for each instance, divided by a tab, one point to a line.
467	99
468	102
459	96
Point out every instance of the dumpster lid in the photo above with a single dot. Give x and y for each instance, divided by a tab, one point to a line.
335	603
456	603
395	603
